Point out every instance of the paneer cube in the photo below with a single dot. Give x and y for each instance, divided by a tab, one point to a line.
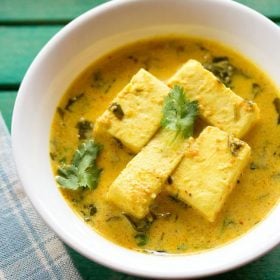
209	171
134	115
143	178
219	105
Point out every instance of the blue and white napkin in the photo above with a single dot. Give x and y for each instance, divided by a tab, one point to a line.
28	248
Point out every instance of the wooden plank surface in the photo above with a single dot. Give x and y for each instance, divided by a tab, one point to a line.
270	8
44	10
19	46
265	268
47	10
25	26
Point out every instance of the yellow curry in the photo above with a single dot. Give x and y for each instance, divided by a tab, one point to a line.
171	226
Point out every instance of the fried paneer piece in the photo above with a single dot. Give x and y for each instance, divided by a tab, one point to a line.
219	105
135	113
209	171
143	178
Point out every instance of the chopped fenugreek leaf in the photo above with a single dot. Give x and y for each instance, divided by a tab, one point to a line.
52	156
84	129
140	225
97	79
116	109
86	217
179	114
221	68
88	212
182	247
253	166
83	171
141	239
100	83
61	112
72	100
276	103
226	223
256	90
92	209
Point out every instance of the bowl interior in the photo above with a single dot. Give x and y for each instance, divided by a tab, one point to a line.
75	47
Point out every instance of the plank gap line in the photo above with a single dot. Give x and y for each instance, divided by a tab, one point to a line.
34	22
9	87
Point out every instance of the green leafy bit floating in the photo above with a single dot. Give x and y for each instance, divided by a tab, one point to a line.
60	112
141	225
182	247
97	80
256	90
71	101
227	222
141	239
142	228
88	212
100	82
253	166
83	171
222	69
53	156
84	129
179	113
276	103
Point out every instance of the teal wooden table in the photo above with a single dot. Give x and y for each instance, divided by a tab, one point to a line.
25	26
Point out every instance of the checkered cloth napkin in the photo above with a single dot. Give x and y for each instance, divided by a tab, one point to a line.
28	248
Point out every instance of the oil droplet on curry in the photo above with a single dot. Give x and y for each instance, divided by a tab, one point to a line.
172	226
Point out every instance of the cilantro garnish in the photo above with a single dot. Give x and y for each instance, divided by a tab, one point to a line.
179	113
83	171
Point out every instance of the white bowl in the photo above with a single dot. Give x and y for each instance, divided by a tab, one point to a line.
72	50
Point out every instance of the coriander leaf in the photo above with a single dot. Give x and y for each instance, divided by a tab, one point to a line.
67	177
179	113
83	171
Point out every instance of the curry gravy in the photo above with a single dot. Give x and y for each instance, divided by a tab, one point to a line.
176	227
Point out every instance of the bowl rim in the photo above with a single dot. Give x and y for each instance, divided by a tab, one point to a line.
103	8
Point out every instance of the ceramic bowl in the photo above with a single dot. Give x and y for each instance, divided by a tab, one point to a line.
71	50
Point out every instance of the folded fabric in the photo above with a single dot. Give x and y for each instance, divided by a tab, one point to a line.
28	248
